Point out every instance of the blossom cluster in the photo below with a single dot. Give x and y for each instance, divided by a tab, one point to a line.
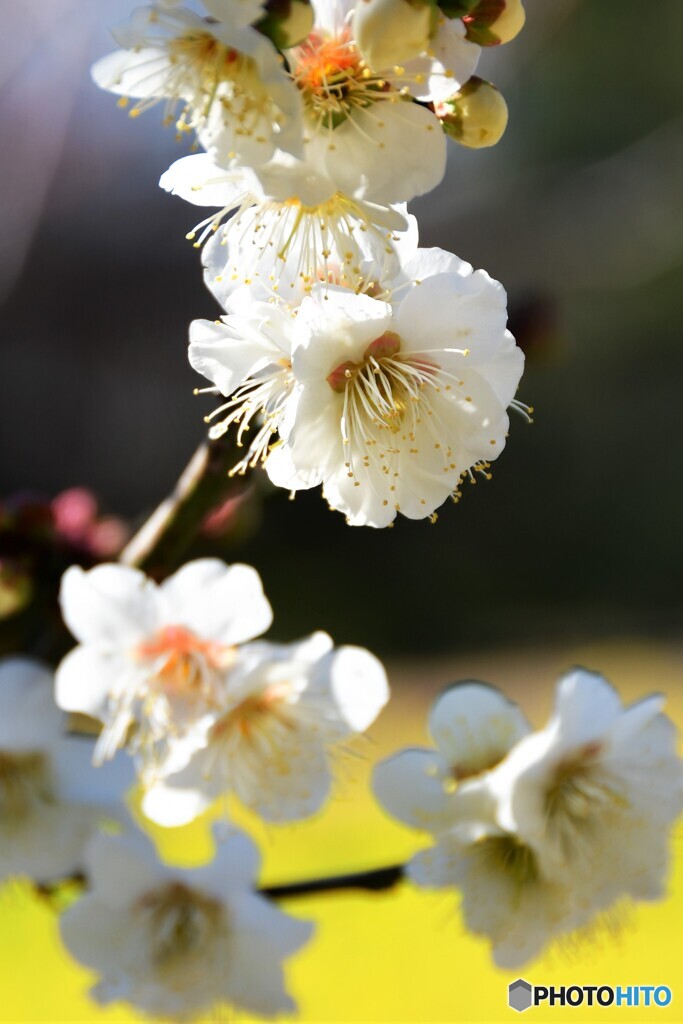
540	831
169	691
350	359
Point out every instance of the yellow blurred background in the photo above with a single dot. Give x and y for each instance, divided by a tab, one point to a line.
401	955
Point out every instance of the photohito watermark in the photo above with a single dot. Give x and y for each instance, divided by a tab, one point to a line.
522	995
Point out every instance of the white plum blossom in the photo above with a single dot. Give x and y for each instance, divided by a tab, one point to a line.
151	658
285	709
51	801
288	226
595	792
505	897
473	726
396	404
388	405
225	78
540	831
176	943
362	128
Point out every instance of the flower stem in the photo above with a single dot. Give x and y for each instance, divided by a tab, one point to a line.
160	544
377	880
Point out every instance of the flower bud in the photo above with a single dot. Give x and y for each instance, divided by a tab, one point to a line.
491	22
476	116
390	32
286	22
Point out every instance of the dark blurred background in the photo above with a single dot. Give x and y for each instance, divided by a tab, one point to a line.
579	211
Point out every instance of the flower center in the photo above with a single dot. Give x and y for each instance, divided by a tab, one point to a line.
334	80
182	661
516	860
181	924
379	391
256	713
24	783
579	796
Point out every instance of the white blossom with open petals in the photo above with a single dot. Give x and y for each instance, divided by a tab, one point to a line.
361	127
285	710
505	897
473	726
151	659
224	76
51	800
595	793
398	403
288	226
176	943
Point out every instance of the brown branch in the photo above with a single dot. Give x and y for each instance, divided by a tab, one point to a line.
160	544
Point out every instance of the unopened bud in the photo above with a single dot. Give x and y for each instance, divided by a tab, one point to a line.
391	32
476	116
286	22
491	22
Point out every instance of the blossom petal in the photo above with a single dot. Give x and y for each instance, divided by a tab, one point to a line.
474	726
225	603
413	786
29	718
85	678
358	683
109	605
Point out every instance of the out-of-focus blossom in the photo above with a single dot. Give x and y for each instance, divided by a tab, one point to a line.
177	943
473	726
226	77
505	897
77	521
283	712
596	791
51	800
540	831
151	659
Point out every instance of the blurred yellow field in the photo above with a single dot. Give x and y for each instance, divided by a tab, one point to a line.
403	955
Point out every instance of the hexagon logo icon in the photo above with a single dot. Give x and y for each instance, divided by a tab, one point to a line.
520	996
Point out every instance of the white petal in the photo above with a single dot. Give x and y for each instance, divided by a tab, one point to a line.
170	803
359	685
389	153
334	326
474	726
235	866
200	181
451	62
228	353
122	868
96	934
412	787
586	705
109	605
223	602
85	679
29	718
78	781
